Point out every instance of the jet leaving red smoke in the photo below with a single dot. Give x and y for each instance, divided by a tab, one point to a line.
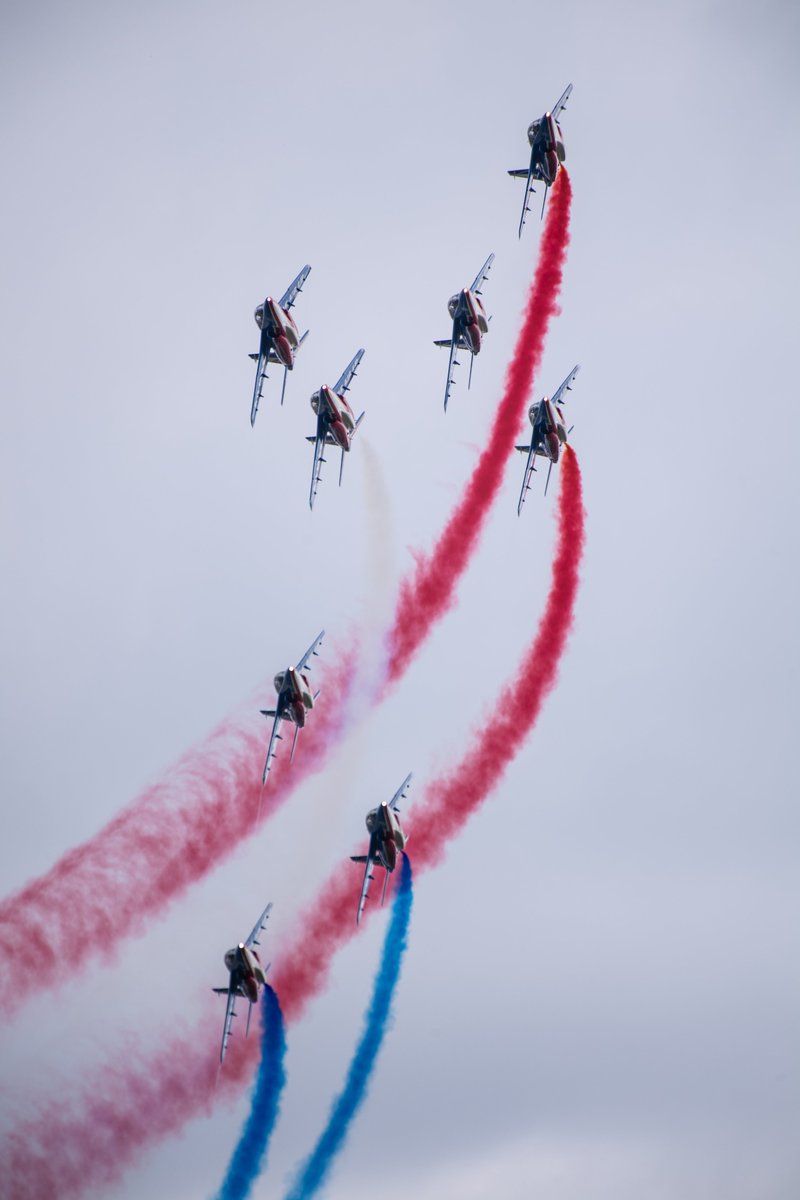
112	886
87	1142
428	595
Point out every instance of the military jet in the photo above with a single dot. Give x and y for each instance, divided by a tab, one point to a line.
280	339
386	839
246	976
470	323
549	433
295	699
547	154
336	422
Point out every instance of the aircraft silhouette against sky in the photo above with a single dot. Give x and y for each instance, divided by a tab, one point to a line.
246	977
336	422
547	153
386	841
295	699
548	434
470	323
280	339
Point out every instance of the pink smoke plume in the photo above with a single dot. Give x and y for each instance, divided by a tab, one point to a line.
125	1107
427	596
173	834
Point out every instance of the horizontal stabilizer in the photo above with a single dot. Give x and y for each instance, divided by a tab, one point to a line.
444	342
268	712
523	449
523	174
221	991
254	357
358	858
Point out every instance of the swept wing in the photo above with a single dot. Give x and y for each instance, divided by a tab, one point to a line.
230	1013
348	374
566	386
369	860
482	276
561	102
273	738
295	287
260	924
311	651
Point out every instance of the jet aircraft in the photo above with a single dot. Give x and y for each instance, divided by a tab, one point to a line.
548	434
246	976
336	423
386	839
469	324
295	698
547	154
280	339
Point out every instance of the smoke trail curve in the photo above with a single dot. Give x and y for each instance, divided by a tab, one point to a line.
428	595
110	887
315	1170
248	1158
124	1107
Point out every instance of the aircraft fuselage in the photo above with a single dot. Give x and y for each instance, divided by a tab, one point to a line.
295	696
549	428
547	147
246	972
469	318
278	325
337	415
384	826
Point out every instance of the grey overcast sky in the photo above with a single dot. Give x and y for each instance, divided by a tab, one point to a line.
601	992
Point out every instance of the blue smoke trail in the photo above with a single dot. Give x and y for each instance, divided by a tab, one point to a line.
314	1171
248	1157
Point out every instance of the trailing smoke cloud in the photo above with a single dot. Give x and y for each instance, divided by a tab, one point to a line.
248	1159
112	886
122	1108
426	597
315	1170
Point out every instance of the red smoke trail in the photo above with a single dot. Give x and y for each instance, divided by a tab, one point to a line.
114	884
162	843
87	1142
428	595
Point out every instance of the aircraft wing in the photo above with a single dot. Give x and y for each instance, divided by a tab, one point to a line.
566	386
311	651
260	924
290	295
348	375
320	441
561	102
455	344
273	737
261	375
401	792
530	467
369	860
230	1013
529	189
482	276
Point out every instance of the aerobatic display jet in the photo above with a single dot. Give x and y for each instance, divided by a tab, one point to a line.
386	840
470	323
280	339
547	154
295	699
548	434
336	422
246	976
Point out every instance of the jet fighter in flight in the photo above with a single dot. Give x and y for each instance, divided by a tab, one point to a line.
386	839
246	976
336	422
295	699
280	339
469	324
547	154
548	435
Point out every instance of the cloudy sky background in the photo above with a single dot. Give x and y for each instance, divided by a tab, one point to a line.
601	989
